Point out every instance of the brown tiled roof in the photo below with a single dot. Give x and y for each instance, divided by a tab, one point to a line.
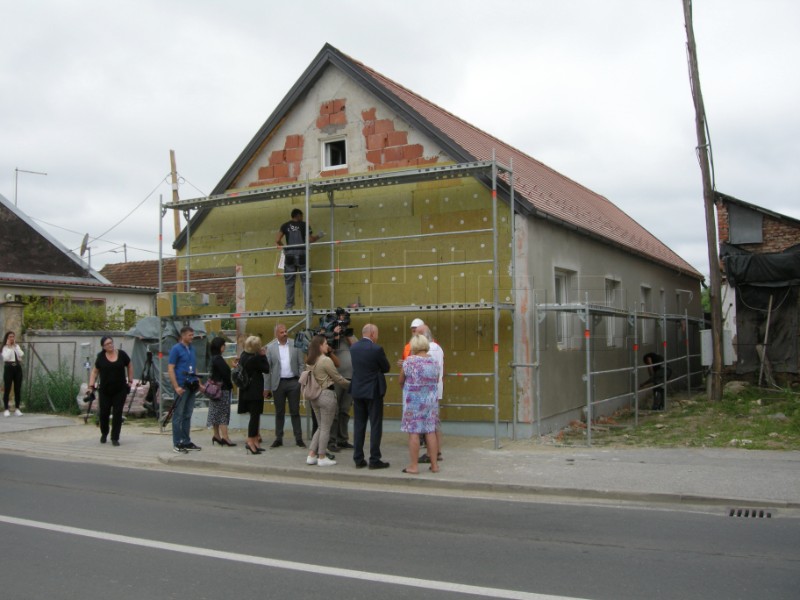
548	192
145	274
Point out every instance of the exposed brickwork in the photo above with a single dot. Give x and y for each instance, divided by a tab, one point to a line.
332	117
388	148
284	165
778	234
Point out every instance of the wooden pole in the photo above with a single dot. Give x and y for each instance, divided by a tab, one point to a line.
177	216
703	153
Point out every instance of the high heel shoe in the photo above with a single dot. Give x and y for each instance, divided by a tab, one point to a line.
251	451
225	442
215	440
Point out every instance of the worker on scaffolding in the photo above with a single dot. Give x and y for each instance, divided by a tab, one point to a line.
294	252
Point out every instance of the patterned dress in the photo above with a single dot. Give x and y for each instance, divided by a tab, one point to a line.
219	411
420	404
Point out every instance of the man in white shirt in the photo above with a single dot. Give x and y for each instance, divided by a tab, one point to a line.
285	366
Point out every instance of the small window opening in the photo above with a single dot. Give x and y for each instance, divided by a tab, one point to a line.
335	153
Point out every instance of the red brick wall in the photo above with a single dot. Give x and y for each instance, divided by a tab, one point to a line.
386	146
284	165
778	235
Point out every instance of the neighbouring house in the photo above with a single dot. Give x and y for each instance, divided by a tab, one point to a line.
36	264
428	216
760	251
33	264
144	273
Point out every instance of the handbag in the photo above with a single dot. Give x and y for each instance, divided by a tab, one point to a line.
309	386
213	390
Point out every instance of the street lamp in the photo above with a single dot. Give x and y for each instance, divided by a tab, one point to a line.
16	174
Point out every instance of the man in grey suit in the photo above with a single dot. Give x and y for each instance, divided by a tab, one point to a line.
285	366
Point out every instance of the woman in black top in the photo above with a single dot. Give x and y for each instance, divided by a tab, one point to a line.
116	374
219	411
251	400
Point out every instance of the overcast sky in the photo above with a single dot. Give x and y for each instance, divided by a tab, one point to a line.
96	93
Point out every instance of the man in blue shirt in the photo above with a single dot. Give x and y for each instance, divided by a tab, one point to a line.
183	377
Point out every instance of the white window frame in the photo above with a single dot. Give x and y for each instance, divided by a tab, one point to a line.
326	155
614	286
646	306
562	284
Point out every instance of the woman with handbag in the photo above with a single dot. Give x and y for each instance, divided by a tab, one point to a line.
218	391
115	369
251	399
324	406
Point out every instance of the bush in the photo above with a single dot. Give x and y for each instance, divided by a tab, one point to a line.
59	385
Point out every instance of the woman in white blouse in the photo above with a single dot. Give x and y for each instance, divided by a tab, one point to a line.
12	372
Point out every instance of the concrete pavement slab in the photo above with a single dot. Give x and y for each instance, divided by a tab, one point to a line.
720	477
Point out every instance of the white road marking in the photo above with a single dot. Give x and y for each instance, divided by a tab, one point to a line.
428	584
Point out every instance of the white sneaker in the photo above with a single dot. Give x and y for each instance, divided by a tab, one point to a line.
18	413
6	414
311	460
325	462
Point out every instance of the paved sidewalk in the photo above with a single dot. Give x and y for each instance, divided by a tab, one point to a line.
732	478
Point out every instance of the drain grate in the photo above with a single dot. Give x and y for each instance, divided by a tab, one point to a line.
750	513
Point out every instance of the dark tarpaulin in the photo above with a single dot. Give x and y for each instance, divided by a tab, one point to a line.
757	278
779	269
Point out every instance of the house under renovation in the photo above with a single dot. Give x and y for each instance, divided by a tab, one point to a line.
760	250
543	294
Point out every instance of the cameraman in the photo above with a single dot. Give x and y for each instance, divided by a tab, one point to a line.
183	377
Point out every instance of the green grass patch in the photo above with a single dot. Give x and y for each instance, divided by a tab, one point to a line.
751	417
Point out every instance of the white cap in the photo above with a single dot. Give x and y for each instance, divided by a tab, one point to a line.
417	322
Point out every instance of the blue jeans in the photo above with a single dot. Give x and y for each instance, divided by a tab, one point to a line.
182	418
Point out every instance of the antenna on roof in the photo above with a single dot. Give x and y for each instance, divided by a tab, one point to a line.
84	242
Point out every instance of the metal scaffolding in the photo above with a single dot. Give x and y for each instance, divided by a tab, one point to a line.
585	312
486	172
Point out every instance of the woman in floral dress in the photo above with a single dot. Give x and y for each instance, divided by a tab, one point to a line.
420	380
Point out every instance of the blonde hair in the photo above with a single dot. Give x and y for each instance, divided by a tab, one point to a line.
419	343
252	344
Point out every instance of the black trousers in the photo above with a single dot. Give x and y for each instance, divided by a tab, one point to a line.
367	409
111	406
254	424
12	376
287	390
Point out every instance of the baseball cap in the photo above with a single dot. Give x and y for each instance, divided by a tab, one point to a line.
417	322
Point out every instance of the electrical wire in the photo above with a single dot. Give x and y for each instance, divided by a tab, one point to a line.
135	208
193	185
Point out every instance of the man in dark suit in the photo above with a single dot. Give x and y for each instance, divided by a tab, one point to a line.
367	387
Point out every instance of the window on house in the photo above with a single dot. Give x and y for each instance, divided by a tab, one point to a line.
646	306
563	283
745	225
613	300
334	154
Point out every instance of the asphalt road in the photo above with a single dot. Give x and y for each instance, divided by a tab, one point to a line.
69	530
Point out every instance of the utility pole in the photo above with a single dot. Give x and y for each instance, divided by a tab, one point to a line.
703	154
176	214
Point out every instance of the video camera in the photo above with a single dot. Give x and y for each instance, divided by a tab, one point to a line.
327	325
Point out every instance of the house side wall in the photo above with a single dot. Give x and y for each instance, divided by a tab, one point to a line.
590	264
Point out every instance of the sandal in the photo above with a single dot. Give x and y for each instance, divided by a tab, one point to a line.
427	459
410	472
